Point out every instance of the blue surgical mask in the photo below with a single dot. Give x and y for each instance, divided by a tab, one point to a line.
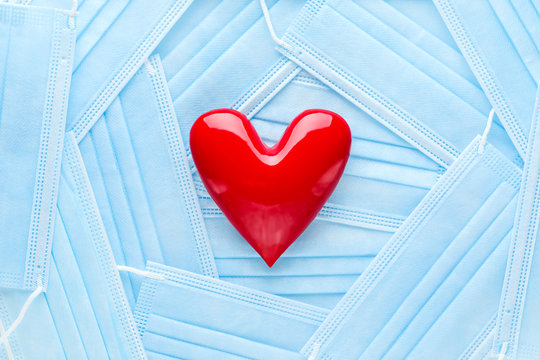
37	54
221	51
502	51
113	41
519	312
480	347
35	336
185	315
84	314
358	219
137	167
396	71
434	288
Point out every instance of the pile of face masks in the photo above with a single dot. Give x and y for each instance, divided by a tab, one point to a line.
111	247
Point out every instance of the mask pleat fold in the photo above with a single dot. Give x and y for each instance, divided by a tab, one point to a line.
95	300
117	198
219	37
76	298
201	342
422	307
89	36
136	193
222	330
518	34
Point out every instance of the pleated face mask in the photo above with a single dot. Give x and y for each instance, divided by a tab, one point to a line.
137	166
391	66
518	322
434	288
184	315
113	41
85	313
35	67
356	222
215	56
503	52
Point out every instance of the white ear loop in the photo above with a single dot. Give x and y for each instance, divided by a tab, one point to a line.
22	313
140	272
6	343
271	27
73	13
39	290
482	144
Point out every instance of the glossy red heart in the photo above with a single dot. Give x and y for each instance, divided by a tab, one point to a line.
270	194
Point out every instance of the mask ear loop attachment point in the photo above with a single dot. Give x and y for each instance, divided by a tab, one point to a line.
270	27
38	290
502	353
315	351
483	139
149	68
140	272
7	345
73	13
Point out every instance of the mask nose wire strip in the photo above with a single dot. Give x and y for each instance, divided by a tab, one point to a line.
6	343
140	272
73	13
502	354
22	313
482	144
271	27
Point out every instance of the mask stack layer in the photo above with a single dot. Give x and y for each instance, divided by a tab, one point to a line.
111	247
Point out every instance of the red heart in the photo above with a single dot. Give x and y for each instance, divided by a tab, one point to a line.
270	194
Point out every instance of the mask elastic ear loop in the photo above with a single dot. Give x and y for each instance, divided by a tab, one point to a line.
271	27
482	144
22	313
140	272
6	343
